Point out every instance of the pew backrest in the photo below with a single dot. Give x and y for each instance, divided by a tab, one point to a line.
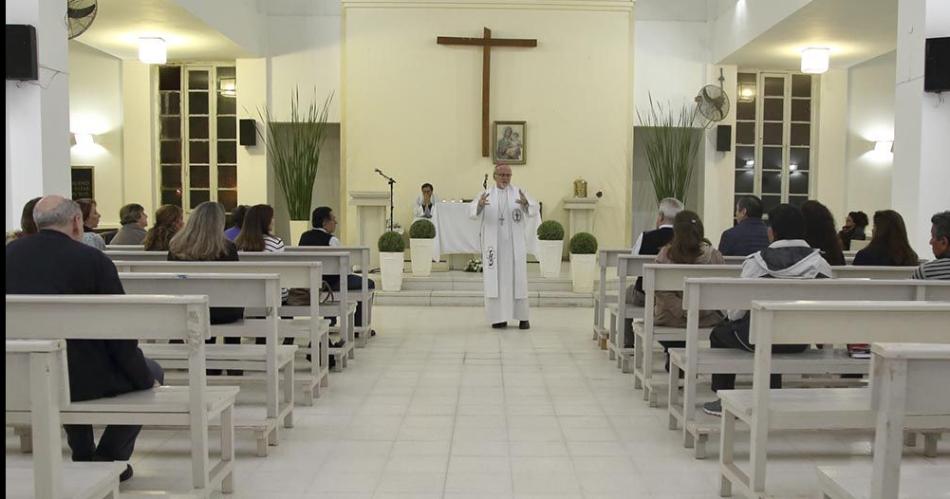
359	255
291	274
222	289
333	263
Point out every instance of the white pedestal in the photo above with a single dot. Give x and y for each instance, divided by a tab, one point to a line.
371	209
580	216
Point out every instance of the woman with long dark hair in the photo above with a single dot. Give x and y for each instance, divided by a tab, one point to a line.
853	229
256	231
820	231
889	245
689	246
169	219
90	220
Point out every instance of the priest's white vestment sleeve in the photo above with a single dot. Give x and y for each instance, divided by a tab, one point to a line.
504	254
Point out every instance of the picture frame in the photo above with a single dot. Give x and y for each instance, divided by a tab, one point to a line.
509	142
83	181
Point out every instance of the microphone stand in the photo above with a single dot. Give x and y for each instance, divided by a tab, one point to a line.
392	205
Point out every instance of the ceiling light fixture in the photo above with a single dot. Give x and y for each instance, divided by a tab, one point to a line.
152	50
227	87
750	163
746	93
792	167
815	60
884	146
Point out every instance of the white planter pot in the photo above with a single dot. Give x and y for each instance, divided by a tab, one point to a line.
390	265
583	268
549	254
421	256
297	228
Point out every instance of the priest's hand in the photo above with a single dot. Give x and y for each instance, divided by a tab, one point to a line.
523	201
483	200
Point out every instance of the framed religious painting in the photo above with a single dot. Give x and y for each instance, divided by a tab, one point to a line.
509	143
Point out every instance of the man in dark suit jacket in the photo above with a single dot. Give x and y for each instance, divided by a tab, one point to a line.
54	261
750	234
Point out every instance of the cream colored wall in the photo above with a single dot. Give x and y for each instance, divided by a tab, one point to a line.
252	160
138	131
413	108
95	106
831	182
718	177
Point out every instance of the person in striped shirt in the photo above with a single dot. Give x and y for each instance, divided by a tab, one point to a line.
939	268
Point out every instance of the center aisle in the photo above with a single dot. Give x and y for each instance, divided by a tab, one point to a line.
439	405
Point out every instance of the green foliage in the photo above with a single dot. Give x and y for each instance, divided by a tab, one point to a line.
294	149
422	229
391	242
583	243
551	230
671	145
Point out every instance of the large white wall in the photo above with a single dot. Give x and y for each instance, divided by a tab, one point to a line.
870	118
413	108
670	59
95	107
304	56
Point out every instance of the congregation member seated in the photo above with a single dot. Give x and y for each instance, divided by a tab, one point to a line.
749	234
27	225
54	261
134	220
324	223
939	268
90	220
237	220
820	231
424	203
889	245
202	240
787	257
853	229
169	219
689	246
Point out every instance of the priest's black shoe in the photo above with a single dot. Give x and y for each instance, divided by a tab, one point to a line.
125	475
524	325
500	325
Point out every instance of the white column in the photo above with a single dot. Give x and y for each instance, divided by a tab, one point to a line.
139	148
921	124
37	119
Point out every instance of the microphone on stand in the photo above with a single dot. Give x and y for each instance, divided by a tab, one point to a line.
390	179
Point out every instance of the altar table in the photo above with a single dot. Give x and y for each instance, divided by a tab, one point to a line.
455	232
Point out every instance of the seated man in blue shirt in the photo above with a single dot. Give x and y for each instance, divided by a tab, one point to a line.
749	234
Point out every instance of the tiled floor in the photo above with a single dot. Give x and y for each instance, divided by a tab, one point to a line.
441	406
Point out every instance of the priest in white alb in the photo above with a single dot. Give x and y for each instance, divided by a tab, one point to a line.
504	210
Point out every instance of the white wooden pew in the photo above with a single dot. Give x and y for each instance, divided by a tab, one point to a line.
907	379
358	255
669	277
140	317
738	294
306	323
261	291
807	322
605	260
37	387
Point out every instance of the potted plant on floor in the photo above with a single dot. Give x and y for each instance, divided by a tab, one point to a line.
672	141
421	246
550	248
391	247
583	262
293	150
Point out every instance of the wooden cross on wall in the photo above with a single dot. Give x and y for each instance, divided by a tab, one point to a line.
486	42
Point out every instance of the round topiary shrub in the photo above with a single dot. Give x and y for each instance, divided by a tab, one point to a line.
391	242
422	229
551	230
583	243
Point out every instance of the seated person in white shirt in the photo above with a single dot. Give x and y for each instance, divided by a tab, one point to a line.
425	203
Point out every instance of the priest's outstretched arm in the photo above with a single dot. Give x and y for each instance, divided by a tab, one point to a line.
477	205
528	204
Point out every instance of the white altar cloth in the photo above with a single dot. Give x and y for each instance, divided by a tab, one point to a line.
455	232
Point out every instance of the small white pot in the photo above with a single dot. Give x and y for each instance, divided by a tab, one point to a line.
549	254
390	265
421	256
297	228
583	268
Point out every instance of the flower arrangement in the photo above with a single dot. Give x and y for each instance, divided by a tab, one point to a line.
474	265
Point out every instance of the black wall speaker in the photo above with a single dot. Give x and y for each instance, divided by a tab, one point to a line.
248	133
724	137
21	52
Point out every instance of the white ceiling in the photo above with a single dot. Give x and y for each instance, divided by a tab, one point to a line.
855	30
299	7
671	10
119	24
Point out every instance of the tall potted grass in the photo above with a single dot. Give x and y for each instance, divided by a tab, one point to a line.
550	248
421	246
672	140
293	148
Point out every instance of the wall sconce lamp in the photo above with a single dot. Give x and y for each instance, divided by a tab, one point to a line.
815	60
82	139
884	146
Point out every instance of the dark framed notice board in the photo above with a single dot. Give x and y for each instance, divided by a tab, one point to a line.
84	183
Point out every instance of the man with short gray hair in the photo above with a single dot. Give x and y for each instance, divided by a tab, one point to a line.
650	242
54	261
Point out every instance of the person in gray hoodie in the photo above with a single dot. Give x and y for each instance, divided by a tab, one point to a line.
787	257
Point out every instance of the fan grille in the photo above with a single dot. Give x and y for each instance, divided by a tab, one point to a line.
79	16
713	103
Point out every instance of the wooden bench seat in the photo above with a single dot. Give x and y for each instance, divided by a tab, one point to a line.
918	481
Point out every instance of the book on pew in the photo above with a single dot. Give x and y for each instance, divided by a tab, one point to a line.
859	350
